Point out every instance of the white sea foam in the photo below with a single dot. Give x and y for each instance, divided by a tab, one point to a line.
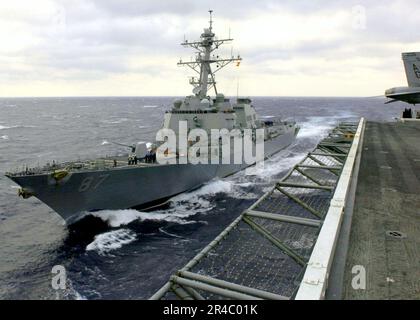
169	234
245	184
266	189
209	189
313	130
16	126
181	207
6	127
116	218
280	162
111	240
78	296
318	127
200	200
5	137
115	121
71	292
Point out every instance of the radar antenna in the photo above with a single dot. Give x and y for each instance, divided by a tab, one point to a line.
204	58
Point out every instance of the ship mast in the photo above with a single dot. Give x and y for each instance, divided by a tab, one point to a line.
204	58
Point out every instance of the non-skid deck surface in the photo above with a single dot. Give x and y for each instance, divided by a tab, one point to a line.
387	204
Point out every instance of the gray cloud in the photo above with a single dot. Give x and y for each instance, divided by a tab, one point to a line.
93	39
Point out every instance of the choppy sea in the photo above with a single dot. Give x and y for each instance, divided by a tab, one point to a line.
128	254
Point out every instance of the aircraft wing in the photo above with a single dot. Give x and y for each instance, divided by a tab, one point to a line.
409	97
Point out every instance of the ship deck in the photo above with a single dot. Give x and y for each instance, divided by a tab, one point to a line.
104	163
385	228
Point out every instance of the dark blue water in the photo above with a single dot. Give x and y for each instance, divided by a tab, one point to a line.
129	254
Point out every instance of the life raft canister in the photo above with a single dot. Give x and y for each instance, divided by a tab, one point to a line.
59	174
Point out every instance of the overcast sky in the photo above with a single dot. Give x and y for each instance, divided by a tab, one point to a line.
130	47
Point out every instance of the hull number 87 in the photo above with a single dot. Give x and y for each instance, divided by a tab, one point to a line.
92	183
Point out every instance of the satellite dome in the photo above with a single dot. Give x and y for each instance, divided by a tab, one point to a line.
177	103
220	97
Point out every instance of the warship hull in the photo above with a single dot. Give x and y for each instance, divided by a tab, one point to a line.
142	186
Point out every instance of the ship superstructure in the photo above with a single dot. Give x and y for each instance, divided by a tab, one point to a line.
199	109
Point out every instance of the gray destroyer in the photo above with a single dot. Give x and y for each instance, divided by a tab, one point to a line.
137	180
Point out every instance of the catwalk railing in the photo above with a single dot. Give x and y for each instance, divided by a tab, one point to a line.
282	246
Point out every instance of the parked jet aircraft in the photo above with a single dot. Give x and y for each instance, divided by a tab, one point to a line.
410	94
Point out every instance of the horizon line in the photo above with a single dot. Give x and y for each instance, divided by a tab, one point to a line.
176	96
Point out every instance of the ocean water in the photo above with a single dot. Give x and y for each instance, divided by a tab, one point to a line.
128	254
